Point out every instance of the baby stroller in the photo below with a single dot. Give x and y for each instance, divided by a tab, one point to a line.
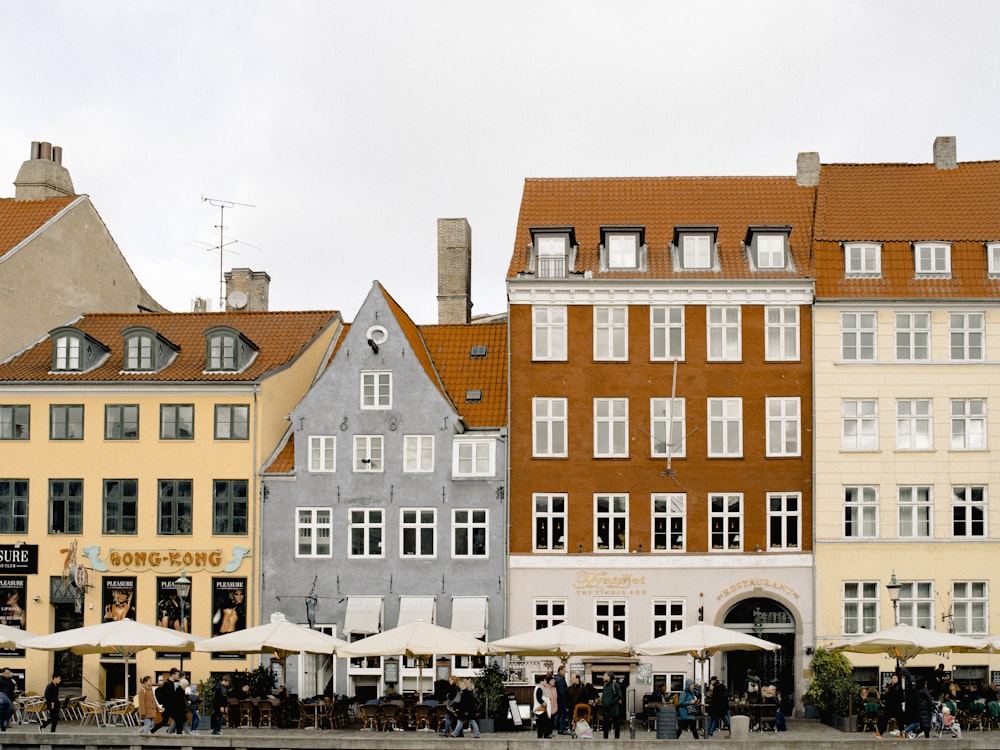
943	723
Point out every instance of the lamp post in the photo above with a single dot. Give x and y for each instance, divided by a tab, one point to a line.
182	587
894	586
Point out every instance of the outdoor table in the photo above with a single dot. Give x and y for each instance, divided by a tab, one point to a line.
315	706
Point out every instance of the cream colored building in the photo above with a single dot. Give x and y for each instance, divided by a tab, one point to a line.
131	448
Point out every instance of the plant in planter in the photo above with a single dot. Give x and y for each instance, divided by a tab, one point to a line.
490	690
832	690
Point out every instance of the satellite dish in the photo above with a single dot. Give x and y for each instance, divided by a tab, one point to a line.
237	300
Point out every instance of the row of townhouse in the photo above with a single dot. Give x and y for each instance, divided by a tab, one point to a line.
748	400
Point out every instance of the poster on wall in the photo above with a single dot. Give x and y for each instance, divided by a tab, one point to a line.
229	609
13	595
118	598
169	613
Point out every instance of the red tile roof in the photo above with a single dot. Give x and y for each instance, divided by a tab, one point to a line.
661	203
279	336
18	219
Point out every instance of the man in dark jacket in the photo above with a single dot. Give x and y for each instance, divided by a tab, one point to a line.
562	708
718	706
612	701
171	696
8	691
220	703
51	704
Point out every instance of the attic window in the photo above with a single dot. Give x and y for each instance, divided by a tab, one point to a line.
145	350
473	396
993	258
75	351
767	247
622	247
552	251
932	259
227	350
66	352
478	352
694	247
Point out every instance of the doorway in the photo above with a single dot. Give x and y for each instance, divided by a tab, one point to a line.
771	621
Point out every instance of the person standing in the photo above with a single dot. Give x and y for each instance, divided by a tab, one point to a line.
51	704
193	698
718	706
687	704
562	704
468	708
541	705
147	704
220	703
8	691
611	705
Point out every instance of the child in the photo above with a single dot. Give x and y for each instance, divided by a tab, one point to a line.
950	724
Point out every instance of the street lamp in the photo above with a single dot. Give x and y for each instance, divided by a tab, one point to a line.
182	587
894	586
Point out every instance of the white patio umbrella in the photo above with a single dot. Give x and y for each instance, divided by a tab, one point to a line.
9	636
563	640
419	639
702	641
123	637
903	642
280	635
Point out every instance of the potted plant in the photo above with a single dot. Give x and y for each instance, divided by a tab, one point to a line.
832	689
490	690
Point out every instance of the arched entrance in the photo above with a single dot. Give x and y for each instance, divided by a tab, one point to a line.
772	621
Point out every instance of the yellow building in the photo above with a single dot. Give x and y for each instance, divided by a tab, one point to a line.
130	447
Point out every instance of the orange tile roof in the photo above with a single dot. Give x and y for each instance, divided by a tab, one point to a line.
661	203
18	219
284	462
279	336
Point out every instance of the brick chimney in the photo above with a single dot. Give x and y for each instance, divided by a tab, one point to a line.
945	152
246	290
454	271
43	175
807	169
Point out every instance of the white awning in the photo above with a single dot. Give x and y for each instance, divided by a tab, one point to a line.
364	615
413	608
469	615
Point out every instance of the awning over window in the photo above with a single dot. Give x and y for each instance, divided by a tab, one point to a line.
364	615
468	615
413	608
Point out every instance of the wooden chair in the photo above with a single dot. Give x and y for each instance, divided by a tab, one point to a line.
870	716
306	716
246	714
370	719
422	716
768	715
391	717
265	710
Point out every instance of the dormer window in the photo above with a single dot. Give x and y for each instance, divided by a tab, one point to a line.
75	351
146	351
552	251
767	247
694	248
228	351
862	259
932	259
622	248
993	258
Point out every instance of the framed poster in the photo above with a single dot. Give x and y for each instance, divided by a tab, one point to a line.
229	609
13	595
118	598
168	613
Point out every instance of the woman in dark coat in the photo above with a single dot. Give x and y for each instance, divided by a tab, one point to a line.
925	706
892	704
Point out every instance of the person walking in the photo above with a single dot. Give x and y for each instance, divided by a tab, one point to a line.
562	704
193	704
468	708
718	706
452	695
892	706
220	703
166	698
51	704
687	704
147	704
8	691
611	705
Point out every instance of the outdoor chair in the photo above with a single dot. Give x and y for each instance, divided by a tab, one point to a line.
246	714
422	717
369	717
768	718
870	717
391	717
266	710
306	716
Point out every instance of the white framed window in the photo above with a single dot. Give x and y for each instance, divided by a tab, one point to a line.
67	352
696	251
784	520
610	333
993	258
968	424
610	523
549	428
418	453
470	532
549	612
861	512
858	336
548	333
366	530
862	259
784	426
139	352
314	532
610	427
666	333
913	336
611	618
724	340
623	249
549	522
376	390
970	604
551	251
967	336
322	453
474	458
667	418
770	251
915	507
668	616
859	424
916	604
417	532
725	427
932	259
914	428
368	454
861	607
725	522
669	515
781	334
968	511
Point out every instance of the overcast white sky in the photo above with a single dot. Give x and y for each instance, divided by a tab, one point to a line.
352	126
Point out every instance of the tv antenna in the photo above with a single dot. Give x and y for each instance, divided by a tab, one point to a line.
222	205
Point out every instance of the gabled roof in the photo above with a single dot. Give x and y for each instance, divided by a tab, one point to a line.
279	337
19	219
660	204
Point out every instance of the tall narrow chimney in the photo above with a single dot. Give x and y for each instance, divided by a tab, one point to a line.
43	175
945	152
454	271
807	169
